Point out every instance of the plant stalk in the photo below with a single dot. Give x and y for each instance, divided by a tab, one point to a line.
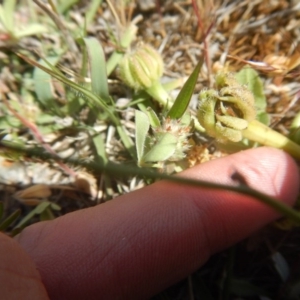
258	132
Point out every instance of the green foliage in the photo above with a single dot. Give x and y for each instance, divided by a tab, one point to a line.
295	129
43	84
169	140
162	150
251	79
97	68
15	32
142	124
183	99
43	210
5	223
226	111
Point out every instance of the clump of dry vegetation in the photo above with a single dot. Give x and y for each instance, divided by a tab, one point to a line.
67	106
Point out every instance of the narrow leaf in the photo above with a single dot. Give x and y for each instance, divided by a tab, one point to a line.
59	76
9	220
38	210
153	118
31	29
47	215
7	15
43	83
41	207
100	147
97	67
183	99
92	10
128	36
63	6
92	99
55	206
142	126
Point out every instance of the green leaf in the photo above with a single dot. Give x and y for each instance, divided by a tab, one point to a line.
100	148
8	122
43	83
97	68
7	10
263	117
250	77
127	37
295	129
296	122
93	100
55	206
64	5
47	215
9	220
183	99
44	119
36	211
31	29
41	207
162	150
92	10
142	126
127	141
153	118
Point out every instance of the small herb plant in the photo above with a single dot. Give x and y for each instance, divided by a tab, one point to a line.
233	111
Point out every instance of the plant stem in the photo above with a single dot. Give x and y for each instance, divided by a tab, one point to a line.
126	39
158	92
128	170
264	135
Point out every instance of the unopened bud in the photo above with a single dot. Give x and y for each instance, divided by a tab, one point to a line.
142	68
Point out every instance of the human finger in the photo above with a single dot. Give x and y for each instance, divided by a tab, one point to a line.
140	243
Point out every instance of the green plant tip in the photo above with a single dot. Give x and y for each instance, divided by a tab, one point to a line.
142	68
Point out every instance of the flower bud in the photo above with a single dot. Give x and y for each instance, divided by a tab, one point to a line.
227	112
142	68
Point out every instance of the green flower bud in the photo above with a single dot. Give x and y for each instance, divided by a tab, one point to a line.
142	68
227	112
229	115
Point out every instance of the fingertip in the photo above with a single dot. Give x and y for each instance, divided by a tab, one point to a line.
18	275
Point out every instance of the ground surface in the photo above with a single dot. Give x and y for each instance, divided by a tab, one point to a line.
228	34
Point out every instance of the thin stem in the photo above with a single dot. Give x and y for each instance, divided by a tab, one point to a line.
126	39
127	170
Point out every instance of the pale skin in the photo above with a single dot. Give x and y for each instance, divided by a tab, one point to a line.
140	243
